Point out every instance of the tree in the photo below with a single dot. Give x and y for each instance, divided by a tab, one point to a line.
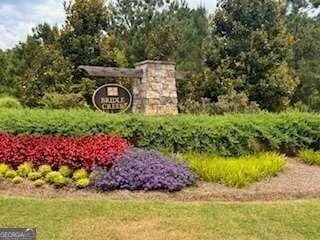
160	30
87	21
46	34
305	29
132	22
3	78
177	34
36	67
248	50
49	72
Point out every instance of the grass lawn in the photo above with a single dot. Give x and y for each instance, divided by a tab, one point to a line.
111	219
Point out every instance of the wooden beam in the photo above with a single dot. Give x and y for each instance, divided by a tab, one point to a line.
120	72
111	71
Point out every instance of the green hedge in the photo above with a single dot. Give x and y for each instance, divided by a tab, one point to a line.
224	135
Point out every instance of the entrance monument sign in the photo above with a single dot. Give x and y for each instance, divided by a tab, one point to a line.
112	98
154	89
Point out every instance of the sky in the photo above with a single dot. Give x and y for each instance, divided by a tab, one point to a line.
18	17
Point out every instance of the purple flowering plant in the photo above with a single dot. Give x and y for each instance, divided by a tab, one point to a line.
144	170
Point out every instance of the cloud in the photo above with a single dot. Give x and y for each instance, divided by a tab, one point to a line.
18	18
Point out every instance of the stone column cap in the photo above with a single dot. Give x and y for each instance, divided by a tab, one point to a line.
154	62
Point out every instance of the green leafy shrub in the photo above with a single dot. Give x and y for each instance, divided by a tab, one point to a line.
17	180
39	183
24	169
34	176
83	183
60	181
11	174
57	179
1	177
10	102
228	135
80	174
50	177
236	171
44	170
64	101
4	168
310	157
65	171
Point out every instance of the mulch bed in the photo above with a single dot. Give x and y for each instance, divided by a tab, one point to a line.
298	181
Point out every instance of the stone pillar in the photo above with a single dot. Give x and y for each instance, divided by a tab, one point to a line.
155	93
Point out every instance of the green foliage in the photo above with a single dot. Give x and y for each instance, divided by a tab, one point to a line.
4	168
232	102
24	169
10	102
39	183
63	101
248	51
57	179
34	176
17	180
50	71
80	174
310	157
53	175
44	170
305	29
235	102
83	183
160	30
65	171
236	172
1	177
86	20
60	181
234	134
11	174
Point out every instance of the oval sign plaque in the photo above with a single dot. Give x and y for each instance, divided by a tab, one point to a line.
112	98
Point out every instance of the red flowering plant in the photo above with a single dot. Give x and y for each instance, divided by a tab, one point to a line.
76	152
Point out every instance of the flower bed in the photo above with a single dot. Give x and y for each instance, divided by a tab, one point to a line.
144	170
82	152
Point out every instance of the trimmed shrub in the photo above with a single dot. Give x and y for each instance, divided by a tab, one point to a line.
39	183
86	152
11	174
1	177
83	183
44	170
144	170
229	135
57	179
60	181
17	180
33	176
4	168
24	169
80	174
65	171
10	102
53	175
310	157
236	171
